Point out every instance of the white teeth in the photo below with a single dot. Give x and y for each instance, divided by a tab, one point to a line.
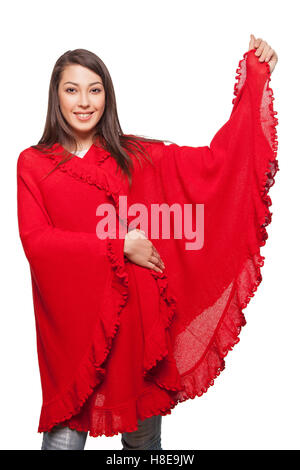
83	115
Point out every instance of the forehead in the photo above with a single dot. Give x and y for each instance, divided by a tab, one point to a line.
81	75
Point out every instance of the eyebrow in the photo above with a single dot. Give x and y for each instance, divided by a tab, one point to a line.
73	83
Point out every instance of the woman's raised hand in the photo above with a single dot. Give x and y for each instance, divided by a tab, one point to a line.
141	251
263	51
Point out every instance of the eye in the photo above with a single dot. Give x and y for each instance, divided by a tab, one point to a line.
97	89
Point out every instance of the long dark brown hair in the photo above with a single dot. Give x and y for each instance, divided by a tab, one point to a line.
107	131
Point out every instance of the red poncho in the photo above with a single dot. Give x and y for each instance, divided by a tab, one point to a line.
118	342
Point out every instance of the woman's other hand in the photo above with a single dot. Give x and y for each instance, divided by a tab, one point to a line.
263	51
139	250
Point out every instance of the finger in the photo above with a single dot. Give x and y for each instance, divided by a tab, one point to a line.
154	260
264	53
157	261
269	54
260	48
152	266
155	253
257	42
252	41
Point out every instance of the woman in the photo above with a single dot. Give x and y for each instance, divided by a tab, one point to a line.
131	322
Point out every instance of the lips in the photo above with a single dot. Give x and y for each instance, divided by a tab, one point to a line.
86	117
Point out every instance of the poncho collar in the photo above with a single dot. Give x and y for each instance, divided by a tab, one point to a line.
95	153
96	167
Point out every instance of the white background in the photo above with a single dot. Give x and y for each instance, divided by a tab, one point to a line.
173	66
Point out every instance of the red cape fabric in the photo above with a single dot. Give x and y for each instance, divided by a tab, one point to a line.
118	342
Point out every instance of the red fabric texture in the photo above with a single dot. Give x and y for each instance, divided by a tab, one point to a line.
118	342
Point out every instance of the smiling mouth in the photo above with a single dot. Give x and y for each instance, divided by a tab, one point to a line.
83	116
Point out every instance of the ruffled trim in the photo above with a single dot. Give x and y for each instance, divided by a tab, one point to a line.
102	157
158	345
124	418
240	79
88	173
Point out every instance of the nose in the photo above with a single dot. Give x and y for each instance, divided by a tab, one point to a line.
84	100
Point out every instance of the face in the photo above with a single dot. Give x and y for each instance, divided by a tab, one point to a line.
82	100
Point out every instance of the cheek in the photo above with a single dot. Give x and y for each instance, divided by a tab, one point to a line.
66	102
100	103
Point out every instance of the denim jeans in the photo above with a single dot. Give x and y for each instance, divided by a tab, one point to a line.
147	436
